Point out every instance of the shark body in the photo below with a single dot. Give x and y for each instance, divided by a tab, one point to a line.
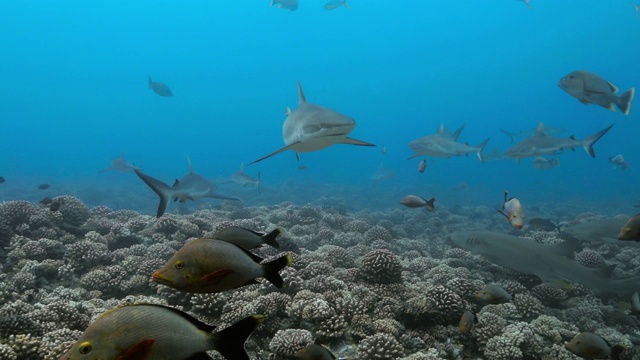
190	187
242	178
548	262
313	127
444	144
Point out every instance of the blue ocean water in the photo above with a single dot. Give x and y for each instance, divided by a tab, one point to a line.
74	96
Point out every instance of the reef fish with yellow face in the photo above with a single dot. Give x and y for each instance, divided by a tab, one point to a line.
211	265
631	229
154	332
512	210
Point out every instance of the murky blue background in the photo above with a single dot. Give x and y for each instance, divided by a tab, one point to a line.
74	95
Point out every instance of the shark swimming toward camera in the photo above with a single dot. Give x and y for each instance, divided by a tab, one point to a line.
541	143
191	187
242	178
313	127
444	144
548	262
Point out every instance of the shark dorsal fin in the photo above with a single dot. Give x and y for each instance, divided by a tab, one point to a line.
441	129
540	129
288	111
241	167
190	166
301	99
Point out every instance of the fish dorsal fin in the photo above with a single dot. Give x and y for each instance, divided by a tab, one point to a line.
301	99
540	129
288	111
456	134
441	129
613	88
190	166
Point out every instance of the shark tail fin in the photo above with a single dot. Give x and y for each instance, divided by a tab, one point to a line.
230	341
511	135
346	5
481	148
588	143
163	190
272	269
270	238
624	101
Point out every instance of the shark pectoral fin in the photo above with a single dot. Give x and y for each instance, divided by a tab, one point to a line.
584	102
352	141
216	277
160	188
275	152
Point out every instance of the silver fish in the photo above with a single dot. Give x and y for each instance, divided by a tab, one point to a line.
159	88
334	4
444	144
313	127
512	210
422	166
191	187
291	5
540	143
543	163
591	88
619	160
121	164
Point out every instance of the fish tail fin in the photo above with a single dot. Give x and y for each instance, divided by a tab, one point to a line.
272	268
163	190
624	101
230	341
588	143
270	238
481	148
346	5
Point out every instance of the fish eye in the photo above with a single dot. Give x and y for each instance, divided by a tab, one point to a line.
85	348
179	265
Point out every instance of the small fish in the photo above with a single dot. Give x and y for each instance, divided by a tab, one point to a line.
459	187
292	5
210	265
248	239
543	163
422	166
592	346
618	160
631	229
382	174
635	304
493	294
542	224
159	88
512	210
415	201
146	331
466	321
528	3
591	88
2	179
314	351
44	186
384	150
242	178
46	201
334	4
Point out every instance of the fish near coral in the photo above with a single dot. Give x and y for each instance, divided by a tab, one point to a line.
248	239
159	88
149	332
210	265
591	88
631	229
314	351
512	210
414	201
493	294
592	346
466	321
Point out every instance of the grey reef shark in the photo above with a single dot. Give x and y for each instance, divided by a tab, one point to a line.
312	127
541	143
444	144
191	187
550	263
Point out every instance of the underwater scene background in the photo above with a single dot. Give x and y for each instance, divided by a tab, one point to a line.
370	278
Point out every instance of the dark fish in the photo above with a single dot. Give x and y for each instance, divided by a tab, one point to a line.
314	352
159	88
248	239
619	161
44	186
542	224
466	321
631	230
592	346
334	4
146	331
55	205
46	201
493	294
302	167
2	180
414	201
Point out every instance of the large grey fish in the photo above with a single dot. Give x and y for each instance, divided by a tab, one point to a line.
591	88
248	239
541	143
593	346
191	187
526	133
548	262
415	201
493	294
540	162
512	210
159	88
154	332
121	164
444	144
334	4
291	5
242	178
313	127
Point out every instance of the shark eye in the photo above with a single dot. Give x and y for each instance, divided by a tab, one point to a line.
179	265
85	348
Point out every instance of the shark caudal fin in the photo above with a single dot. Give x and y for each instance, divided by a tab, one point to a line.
163	190
230	341
588	143
624	101
511	135
481	148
